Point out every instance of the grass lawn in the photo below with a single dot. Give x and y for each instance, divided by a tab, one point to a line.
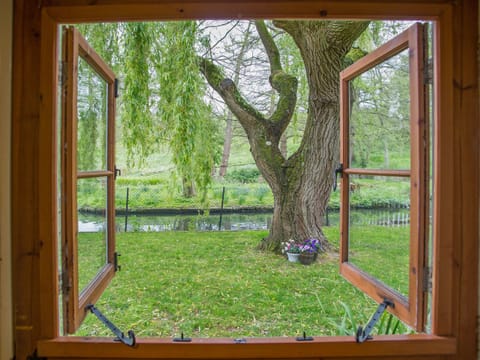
216	284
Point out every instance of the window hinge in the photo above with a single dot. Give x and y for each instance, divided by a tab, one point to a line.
63	73
428	72
115	262
116	83
427	279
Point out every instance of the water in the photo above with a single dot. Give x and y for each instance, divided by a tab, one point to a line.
233	222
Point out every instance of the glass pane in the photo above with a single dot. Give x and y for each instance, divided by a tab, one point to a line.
92	119
92	239
380	116
379	241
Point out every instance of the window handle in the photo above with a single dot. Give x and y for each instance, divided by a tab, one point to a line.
338	170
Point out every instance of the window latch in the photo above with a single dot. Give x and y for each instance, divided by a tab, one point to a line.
364	334
116	265
127	340
338	170
117	173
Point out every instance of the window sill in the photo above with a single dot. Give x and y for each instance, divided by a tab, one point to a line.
267	348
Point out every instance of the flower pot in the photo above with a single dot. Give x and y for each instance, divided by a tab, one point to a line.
306	258
292	257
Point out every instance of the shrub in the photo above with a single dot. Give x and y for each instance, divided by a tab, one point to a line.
245	175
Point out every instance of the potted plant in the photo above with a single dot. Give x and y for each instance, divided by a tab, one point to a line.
292	249
309	250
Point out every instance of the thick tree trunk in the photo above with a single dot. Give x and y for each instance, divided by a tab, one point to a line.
302	183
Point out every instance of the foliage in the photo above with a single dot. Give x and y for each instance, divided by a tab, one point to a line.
244	175
156	192
161	95
136	117
185	118
379	115
217	284
92	138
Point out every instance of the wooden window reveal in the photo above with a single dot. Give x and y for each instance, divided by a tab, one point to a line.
88	114
402	121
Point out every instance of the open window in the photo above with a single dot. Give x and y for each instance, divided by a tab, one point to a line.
383	95
88	113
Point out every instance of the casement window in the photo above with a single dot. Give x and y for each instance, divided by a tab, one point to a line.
88	162
88	167
401	64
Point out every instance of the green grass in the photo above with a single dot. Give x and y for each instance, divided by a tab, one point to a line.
382	252
218	285
92	256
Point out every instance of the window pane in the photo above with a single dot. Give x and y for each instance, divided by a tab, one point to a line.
380	116
379	243
92	240
92	119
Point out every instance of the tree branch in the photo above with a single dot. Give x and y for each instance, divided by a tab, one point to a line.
286	85
270	46
228	91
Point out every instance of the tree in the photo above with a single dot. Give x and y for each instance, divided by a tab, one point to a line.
185	118
227	142
161	99
302	183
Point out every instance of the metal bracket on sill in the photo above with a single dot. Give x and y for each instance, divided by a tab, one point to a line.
304	337
364	334
182	338
127	340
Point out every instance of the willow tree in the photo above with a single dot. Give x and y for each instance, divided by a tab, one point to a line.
162	96
185	118
301	183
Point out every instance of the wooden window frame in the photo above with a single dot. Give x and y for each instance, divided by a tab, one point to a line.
75	300
454	299
411	309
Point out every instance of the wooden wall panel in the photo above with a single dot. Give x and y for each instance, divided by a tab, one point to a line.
6	322
467	162
25	211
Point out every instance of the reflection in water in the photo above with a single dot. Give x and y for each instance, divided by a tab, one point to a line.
233	222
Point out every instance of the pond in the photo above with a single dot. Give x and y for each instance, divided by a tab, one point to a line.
232	221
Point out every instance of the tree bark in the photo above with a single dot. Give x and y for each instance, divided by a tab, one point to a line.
302	183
